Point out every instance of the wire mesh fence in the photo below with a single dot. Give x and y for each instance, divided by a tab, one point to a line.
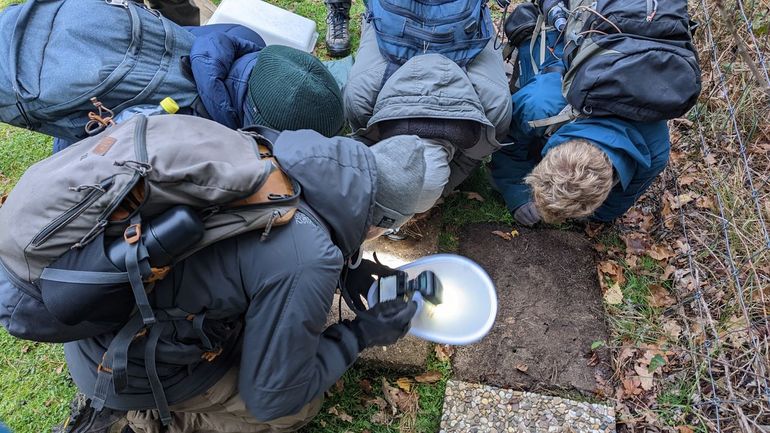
721	155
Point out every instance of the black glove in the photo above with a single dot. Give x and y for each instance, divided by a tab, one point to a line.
356	282
383	324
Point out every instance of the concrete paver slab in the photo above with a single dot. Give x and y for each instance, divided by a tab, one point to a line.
550	310
470	408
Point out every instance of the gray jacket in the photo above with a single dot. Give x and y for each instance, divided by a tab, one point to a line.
275	294
430	86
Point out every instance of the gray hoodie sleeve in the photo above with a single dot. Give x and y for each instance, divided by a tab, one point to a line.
289	357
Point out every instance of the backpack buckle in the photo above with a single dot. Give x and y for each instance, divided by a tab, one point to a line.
158	274
133	233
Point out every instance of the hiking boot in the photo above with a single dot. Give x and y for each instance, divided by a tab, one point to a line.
83	419
338	32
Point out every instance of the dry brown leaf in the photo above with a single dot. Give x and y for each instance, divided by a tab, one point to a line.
686	180
661	252
339	385
474	196
365	386
381	418
522	367
406	402
704	202
25	349
59	369
593	229
444	352
613	295
432	376
668	272
683	199
672	329
631	385
710	159
404	383
669	218
659	297
645	377
377	401
339	413
612	270
684	429
504	235
636	243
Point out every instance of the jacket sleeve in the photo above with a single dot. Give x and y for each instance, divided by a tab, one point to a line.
508	168
540	99
211	58
290	359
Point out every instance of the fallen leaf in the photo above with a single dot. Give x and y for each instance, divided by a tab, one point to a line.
613	295
339	385
704	202
59	369
668	272
404	383
25	349
686	180
381	418
377	401
684	429
645	377
672	329
593	229
365	386
710	159
613	271
432	376
669	218
683	199
504	235
444	352
656	363
339	413
398	399
659	296
631	385
514	233
661	252
522	367
474	196
636	243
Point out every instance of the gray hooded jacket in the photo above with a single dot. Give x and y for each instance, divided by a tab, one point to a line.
276	294
430	86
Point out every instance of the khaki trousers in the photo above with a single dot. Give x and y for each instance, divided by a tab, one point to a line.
220	410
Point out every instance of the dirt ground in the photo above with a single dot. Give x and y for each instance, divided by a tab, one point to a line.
550	310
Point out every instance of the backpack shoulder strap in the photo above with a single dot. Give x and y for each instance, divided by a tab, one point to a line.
566	115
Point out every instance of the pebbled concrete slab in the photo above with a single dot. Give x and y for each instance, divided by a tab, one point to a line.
470	408
550	310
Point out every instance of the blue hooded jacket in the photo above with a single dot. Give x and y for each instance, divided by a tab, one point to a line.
221	59
638	150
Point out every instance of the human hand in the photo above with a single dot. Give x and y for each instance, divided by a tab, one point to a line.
527	214
383	324
357	281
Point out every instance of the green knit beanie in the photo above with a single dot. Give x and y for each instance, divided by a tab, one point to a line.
290	90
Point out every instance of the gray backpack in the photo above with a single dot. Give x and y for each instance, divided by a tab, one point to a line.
55	222
58	54
630	59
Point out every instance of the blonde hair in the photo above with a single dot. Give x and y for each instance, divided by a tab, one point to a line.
571	181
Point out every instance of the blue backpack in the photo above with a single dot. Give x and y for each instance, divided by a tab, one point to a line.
457	29
58	54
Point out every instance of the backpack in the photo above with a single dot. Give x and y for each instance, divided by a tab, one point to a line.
633	60
457	29
59	54
64	208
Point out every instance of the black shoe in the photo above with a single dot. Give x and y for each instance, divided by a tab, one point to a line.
83	419
338	32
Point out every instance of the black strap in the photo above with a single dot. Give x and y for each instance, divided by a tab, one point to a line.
135	276
150	349
113	369
83	277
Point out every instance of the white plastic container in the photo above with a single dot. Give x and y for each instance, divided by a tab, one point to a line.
276	26
469	305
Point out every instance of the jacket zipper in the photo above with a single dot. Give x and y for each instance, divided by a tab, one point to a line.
67	217
652	9
26	287
438	38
